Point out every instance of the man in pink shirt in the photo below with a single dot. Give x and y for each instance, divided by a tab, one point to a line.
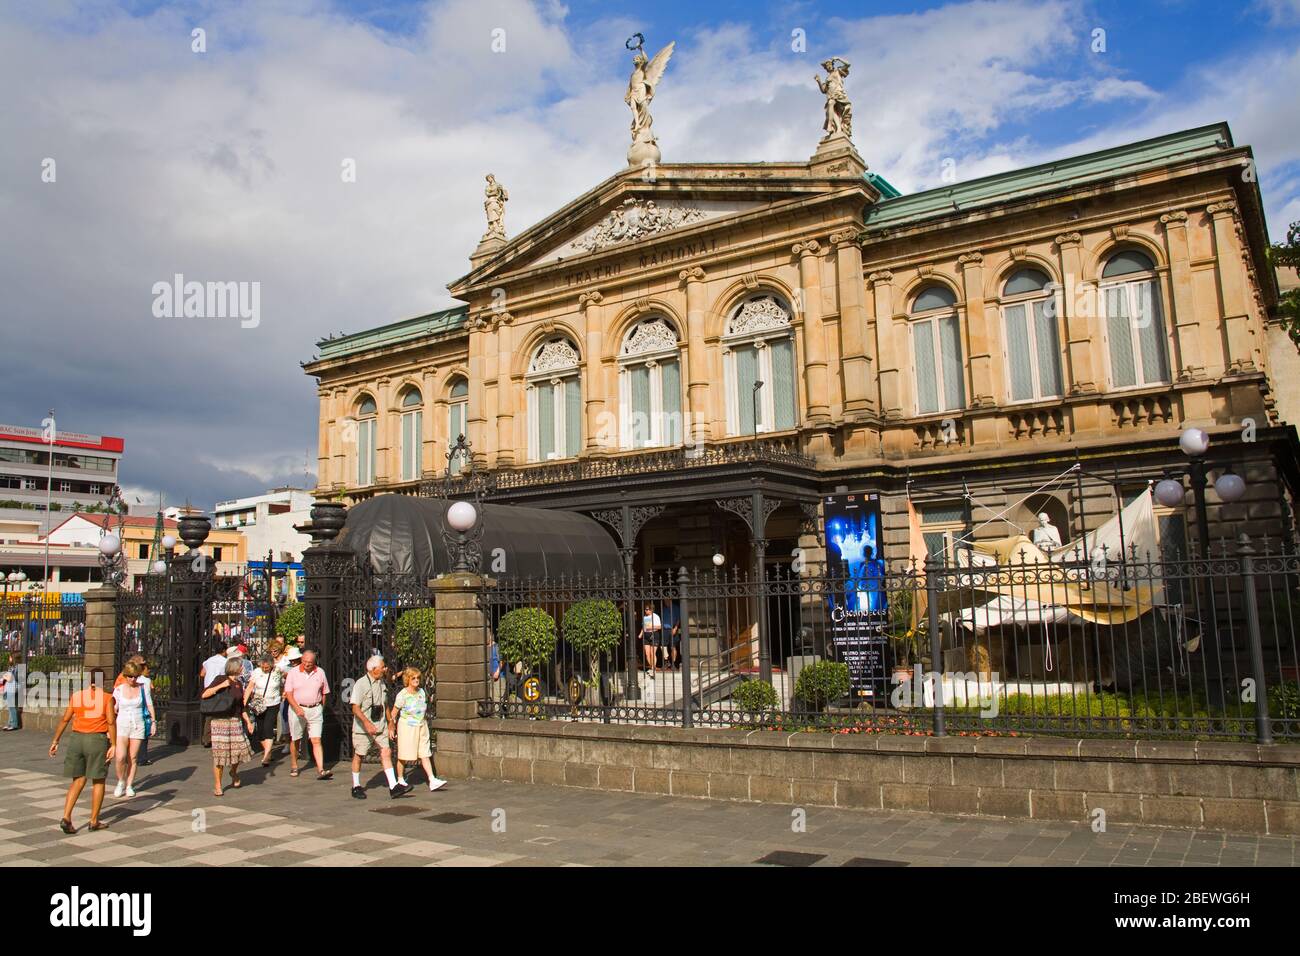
305	688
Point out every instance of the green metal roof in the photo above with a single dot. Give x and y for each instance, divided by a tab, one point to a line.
883	186
1072	171
385	335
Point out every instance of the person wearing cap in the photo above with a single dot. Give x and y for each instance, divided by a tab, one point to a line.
244	659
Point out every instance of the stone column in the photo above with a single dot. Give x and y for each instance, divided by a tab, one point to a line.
1189	364
1232	286
101	631
428	412
475	416
979	337
858	372
1079	330
505	393
461	668
384	431
325	403
892	346
594	394
697	389
814	332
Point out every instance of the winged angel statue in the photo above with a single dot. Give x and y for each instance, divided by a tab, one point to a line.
646	74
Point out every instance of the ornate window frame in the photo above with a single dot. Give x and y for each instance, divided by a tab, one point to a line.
651	343
555	363
1049	293
759	320
1128	285
927	323
367	420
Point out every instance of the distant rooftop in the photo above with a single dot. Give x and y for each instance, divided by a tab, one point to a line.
447	320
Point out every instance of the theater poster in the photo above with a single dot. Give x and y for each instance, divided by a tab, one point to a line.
859	605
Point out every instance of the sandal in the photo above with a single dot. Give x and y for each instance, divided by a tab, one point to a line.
327	775
293	772
67	827
218	793
236	784
98	826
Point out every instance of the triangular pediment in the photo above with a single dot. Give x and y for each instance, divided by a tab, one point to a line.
629	210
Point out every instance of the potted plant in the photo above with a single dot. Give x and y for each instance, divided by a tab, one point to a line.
821	682
904	633
526	636
756	697
594	627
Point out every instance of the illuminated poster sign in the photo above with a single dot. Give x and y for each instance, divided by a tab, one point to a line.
859	603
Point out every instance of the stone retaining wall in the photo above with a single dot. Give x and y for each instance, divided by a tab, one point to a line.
1202	785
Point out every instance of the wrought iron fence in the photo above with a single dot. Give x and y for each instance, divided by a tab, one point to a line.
44	626
1135	647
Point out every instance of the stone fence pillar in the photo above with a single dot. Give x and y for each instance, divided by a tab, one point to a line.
461	668
101	631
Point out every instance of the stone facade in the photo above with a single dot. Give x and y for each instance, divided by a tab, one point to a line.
822	269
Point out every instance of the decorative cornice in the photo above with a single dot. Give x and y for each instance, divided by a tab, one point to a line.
883	277
1068	239
693	274
809	248
970	259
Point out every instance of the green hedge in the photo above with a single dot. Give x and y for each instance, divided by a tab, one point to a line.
413	639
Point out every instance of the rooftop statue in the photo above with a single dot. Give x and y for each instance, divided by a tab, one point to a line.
839	111
494	205
645	77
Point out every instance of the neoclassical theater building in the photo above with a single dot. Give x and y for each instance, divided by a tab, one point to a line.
692	348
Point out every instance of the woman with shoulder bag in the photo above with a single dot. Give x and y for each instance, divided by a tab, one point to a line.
262	699
223	702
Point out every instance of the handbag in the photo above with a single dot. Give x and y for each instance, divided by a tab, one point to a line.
223	704
258	704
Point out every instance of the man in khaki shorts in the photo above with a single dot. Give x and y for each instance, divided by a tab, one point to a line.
373	726
305	688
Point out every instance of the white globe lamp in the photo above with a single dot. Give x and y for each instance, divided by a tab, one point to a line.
462	516
110	544
719	560
1194	442
1169	492
1229	486
168	542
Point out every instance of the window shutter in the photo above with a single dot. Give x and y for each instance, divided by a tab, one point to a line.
545	421
1150	332
1022	379
1122	369
927	392
950	348
573	417
672	392
783	382
1049	349
746	376
640	382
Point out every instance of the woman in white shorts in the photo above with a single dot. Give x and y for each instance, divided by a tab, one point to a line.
131	704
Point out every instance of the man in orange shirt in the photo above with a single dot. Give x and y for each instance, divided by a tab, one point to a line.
94	739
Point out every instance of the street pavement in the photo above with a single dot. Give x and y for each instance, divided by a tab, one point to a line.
277	820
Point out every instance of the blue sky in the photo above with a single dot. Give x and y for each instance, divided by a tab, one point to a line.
225	165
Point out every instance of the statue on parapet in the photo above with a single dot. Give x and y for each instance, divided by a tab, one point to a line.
839	111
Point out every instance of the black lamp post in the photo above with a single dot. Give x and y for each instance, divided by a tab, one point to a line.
462	520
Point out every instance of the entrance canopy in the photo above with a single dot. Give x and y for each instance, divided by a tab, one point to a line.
402	534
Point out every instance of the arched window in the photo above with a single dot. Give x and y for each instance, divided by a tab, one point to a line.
412	427
936	351
1033	341
1135	324
758	364
457	418
367	414
554	402
650	385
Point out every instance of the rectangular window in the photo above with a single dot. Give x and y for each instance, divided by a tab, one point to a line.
1135	333
216	553
456	428
936	347
746	376
142	552
943	527
671	386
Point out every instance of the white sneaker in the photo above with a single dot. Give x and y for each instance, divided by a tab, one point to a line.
121	785
437	783
130	791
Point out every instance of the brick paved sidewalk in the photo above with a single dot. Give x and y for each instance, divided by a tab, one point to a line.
277	820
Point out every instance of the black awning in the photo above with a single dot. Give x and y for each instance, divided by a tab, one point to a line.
402	534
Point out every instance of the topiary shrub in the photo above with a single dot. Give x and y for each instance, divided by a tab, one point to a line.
757	696
413	639
526	634
821	682
594	627
44	664
291	622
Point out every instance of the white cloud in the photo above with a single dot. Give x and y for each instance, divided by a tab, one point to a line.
226	166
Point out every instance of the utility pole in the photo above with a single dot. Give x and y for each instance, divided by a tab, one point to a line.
51	434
